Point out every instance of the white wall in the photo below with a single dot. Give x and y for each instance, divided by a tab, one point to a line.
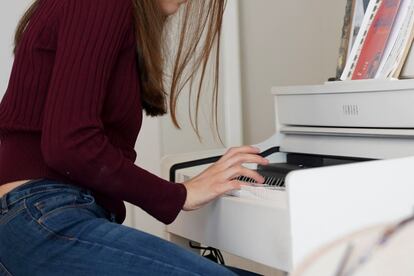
10	12
284	43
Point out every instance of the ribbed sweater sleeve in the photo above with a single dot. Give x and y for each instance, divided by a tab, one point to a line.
89	37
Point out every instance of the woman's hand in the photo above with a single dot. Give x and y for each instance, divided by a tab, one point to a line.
219	177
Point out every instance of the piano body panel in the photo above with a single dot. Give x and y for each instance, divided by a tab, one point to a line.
343	105
242	227
319	205
348	145
330	202
348	86
349	109
354	120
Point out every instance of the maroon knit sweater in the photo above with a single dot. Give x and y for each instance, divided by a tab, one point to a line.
72	110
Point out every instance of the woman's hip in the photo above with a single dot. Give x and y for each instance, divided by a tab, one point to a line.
50	228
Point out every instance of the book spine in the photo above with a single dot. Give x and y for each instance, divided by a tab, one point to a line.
406	56
376	40
346	36
356	49
407	70
394	60
396	41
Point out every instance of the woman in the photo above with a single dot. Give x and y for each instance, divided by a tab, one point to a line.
83	72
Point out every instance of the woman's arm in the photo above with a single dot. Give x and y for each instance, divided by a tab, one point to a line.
90	36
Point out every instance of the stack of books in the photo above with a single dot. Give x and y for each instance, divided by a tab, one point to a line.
376	40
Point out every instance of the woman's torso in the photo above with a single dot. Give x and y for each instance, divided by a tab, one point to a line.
22	107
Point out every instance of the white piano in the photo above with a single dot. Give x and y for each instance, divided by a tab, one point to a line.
340	161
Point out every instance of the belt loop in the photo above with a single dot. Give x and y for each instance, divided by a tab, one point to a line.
113	217
4	208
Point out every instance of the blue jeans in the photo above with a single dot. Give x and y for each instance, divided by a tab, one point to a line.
55	228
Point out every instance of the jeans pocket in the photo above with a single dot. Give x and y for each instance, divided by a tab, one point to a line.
59	211
4	271
50	202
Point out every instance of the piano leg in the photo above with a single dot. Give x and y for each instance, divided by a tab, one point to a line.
230	259
183	242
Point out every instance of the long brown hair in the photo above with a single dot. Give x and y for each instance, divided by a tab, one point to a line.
199	27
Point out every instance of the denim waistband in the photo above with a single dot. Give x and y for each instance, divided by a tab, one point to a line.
35	186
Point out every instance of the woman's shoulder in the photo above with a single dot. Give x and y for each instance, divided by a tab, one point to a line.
96	5
115	4
97	12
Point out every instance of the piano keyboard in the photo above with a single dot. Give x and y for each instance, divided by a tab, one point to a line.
273	187
260	192
275	174
269	190
270	181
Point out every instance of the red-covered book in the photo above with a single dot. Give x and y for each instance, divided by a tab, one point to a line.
376	40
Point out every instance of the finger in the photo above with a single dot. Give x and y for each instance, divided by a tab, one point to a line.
235	172
245	158
235	150
231	185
